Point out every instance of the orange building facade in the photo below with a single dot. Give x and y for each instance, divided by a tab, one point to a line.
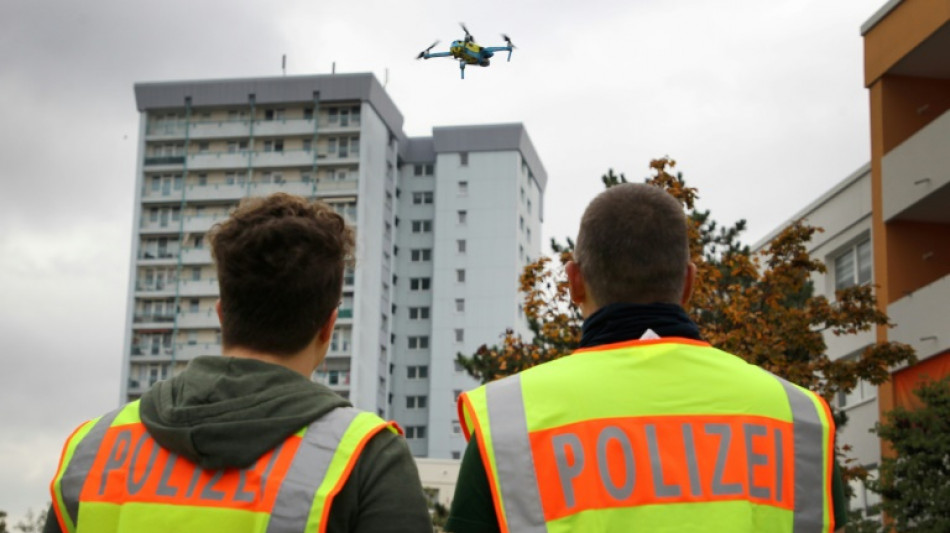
907	72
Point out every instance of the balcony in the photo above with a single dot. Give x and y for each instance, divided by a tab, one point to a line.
293	126
915	175
337	188
152	257
155	288
201	287
219	129
153	320
201	223
284	158
199	320
921	319
164	162
336	380
152	353
215	160
218	191
187	351
159	227
196	256
163	129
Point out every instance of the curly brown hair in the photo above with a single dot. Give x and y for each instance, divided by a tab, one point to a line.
280	263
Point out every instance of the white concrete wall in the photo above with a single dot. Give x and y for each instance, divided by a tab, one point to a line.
917	167
372	298
491	269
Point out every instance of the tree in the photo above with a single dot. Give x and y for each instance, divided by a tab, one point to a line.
32	523
915	482
761	307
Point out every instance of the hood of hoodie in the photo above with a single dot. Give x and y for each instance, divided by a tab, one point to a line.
224	412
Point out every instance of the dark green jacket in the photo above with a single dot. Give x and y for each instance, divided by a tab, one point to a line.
224	412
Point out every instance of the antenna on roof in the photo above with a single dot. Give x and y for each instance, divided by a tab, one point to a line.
283	64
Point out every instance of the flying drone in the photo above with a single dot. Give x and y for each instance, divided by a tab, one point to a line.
468	52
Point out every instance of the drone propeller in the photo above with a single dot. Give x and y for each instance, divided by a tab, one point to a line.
468	36
423	53
508	40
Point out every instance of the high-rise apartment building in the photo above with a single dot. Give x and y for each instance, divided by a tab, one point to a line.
444	225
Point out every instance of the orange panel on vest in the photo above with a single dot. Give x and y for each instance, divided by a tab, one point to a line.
623	462
131	467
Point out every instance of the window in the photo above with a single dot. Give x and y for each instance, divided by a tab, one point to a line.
419	284
463	187
429	169
862	391
459	335
460	244
463	217
419	342
460	305
420	254
421	226
308	113
528	234
463	159
276	145
415	432
195	273
456	427
420	198
853	266
455	395
193	305
460	275
202	180
863	500
418	313
529	206
416	402
458	366
520	222
456	455
417	372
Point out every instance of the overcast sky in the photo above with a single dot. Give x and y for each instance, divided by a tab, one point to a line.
761	103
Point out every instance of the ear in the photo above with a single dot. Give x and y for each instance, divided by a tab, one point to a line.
326	330
688	284
575	283
217	308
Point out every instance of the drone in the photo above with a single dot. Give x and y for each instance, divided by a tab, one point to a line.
468	52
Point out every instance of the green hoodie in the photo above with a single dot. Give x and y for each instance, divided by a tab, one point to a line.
224	412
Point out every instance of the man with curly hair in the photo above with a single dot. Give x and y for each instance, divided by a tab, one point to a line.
246	442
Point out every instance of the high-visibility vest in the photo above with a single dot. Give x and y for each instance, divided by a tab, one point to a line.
113	477
653	435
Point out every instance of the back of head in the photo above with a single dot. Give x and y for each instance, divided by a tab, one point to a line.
280	263
633	246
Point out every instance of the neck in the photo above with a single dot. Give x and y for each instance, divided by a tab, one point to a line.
303	362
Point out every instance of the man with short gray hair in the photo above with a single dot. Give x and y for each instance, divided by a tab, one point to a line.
646	426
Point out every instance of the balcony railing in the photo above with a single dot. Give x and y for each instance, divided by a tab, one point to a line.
153	317
164	160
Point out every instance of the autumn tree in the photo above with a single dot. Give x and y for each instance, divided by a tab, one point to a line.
759	306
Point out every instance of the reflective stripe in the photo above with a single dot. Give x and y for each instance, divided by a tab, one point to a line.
809	461
513	459
308	470
81	463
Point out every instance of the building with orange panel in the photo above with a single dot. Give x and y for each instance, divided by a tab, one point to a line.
907	72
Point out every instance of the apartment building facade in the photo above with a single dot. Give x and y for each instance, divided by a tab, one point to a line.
888	224
205	145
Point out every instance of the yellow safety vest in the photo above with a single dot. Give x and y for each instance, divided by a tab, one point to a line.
113	477
653	435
